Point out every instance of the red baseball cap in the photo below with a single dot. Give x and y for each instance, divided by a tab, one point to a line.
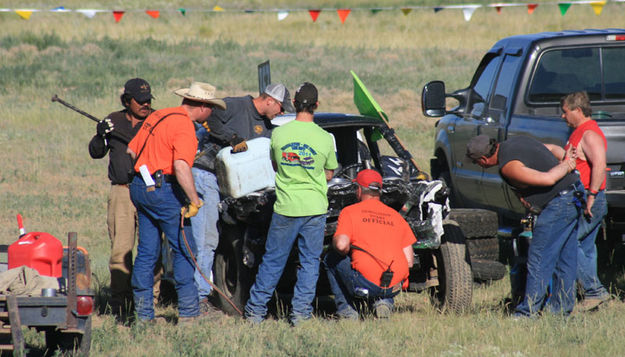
370	179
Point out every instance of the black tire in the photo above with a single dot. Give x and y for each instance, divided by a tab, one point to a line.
475	222
484	248
455	289
231	276
72	344
487	270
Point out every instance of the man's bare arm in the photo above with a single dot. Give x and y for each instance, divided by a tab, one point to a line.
329	174
185	180
557	151
409	253
594	150
524	176
341	243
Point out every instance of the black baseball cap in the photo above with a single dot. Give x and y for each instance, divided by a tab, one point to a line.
139	89
306	94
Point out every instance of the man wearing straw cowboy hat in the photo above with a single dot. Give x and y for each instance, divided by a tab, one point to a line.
164	149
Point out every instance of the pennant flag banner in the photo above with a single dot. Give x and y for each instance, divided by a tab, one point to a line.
564	7
24	14
375	10
183	11
531	8
597	7
406	10
314	14
437	9
153	13
90	13
282	15
218	8
60	9
118	15
343	13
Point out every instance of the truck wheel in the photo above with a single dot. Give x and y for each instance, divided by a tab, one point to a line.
455	289
232	277
484	248
475	222
78	344
487	270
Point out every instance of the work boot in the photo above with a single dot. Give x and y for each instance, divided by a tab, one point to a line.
348	313
207	308
592	303
382	310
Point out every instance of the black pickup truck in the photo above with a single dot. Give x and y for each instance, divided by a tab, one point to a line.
516	90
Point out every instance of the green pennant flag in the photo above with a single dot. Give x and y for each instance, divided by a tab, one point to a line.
375	10
564	7
183	11
367	105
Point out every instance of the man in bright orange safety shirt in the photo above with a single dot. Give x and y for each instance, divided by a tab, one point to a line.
164	150
373	251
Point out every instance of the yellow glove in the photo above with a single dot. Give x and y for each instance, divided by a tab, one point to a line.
191	209
205	125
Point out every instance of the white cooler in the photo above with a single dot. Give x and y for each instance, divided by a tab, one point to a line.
242	173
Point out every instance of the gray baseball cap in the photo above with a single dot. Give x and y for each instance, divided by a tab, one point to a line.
279	92
479	146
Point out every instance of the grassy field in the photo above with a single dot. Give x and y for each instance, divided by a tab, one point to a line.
47	175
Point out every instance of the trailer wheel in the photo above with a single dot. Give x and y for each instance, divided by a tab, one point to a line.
72	344
455	290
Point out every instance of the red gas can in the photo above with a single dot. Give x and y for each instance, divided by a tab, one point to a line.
38	250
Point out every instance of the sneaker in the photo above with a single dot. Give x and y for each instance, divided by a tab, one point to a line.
589	304
348	313
382	311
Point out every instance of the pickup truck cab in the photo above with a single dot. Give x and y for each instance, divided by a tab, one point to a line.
516	90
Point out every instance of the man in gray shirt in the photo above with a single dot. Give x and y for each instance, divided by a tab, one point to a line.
245	118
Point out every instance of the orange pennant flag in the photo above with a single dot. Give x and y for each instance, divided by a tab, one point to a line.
153	13
498	8
118	15
406	10
343	13
314	14
531	8
24	14
597	7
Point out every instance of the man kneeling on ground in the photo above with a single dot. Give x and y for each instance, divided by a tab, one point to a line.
373	252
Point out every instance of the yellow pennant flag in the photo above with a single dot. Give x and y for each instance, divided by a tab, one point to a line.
597	7
218	8
24	14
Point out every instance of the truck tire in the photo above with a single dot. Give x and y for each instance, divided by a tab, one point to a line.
73	344
487	270
475	222
232	277
483	248
455	289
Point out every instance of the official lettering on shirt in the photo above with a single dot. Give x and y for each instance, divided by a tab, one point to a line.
376	218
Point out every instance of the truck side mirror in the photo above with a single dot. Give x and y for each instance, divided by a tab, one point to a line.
433	99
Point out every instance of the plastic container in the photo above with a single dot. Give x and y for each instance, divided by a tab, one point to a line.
38	250
242	173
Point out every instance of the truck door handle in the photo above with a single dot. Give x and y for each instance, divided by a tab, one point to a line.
451	129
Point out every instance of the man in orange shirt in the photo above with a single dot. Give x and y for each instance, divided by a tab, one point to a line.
164	150
380	244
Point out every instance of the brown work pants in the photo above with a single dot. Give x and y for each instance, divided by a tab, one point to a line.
122	226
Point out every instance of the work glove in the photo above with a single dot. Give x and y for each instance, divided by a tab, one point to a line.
205	125
238	144
104	127
191	209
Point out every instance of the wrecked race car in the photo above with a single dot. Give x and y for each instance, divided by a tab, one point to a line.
441	265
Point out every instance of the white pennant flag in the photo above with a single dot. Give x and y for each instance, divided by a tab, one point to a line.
468	11
282	15
87	12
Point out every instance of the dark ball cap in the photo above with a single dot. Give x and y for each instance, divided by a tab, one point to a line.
479	146
306	94
139	89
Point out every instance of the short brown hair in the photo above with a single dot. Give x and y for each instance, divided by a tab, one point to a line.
577	100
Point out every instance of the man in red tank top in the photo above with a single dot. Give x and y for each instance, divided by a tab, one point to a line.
591	147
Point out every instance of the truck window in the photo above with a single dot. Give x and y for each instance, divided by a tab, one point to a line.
614	72
500	102
563	71
482	85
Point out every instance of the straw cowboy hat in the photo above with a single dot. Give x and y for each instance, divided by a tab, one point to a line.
201	92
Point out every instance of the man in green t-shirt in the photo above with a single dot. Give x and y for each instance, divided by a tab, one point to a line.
304	158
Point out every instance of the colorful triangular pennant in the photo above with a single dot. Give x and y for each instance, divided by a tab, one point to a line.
468	11
118	15
375	10
343	13
597	7
406	10
314	14
90	13
183	11
282	15
24	14
564	6
218	8
531	8
153	13
498	8
437	9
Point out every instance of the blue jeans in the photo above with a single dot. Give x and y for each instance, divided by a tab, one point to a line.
204	226
280	239
159	212
553	254
587	250
345	281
